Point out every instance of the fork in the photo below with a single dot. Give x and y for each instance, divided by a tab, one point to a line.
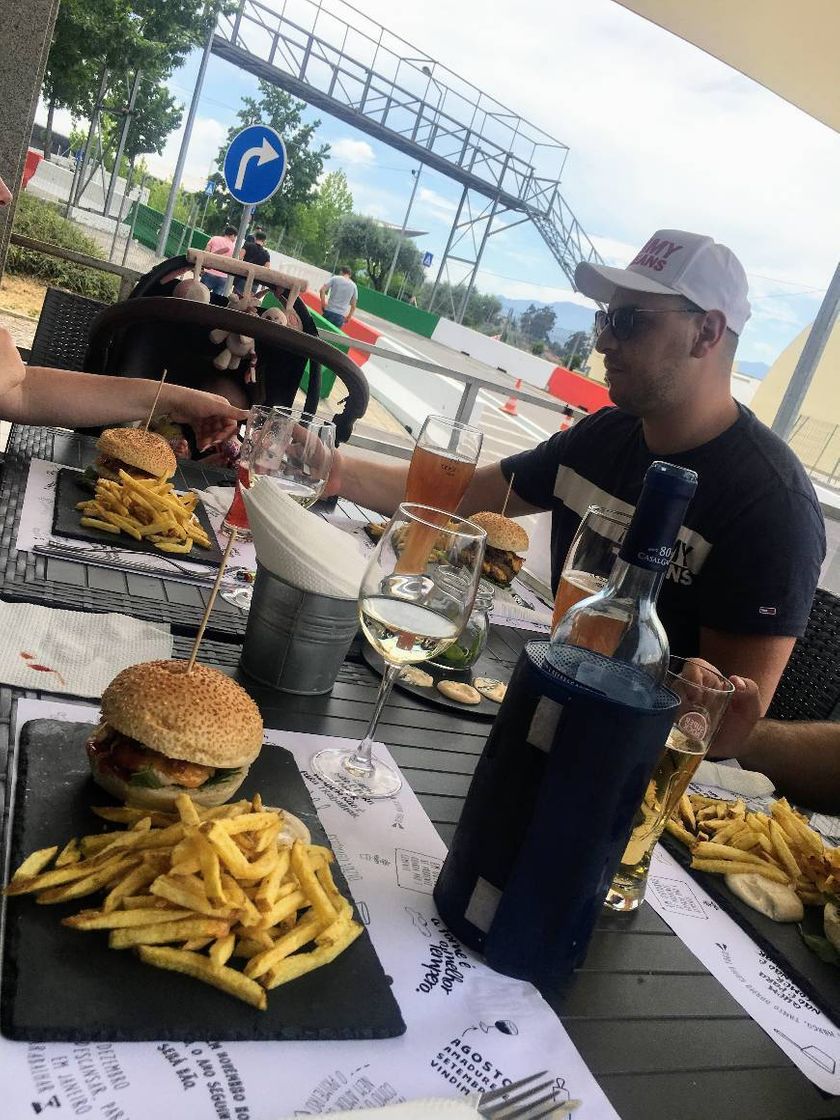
533	1102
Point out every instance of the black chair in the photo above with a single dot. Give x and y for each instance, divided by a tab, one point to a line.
61	337
810	685
142	337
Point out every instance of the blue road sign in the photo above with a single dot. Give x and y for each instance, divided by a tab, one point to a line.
210	188
255	164
427	260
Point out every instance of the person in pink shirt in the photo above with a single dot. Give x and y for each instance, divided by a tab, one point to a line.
222	244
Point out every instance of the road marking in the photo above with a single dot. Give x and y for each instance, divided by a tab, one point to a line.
265	153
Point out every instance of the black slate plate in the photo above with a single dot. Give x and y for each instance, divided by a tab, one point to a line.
61	985
69	490
781	941
485	667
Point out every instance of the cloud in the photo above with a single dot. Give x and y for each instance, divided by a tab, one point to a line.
436	205
347	150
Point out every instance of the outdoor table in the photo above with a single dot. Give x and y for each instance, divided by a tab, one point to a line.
64	583
661	1035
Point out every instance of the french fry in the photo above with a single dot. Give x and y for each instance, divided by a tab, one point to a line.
70	853
712	850
221	949
305	931
301	963
93	882
124	919
679	832
731	867
164	932
201	968
96	523
315	893
786	857
33	865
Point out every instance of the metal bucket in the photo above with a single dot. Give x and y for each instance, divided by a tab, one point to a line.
295	641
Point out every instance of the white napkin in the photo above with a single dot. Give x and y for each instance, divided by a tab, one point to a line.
414	1110
299	547
216	498
75	652
744	783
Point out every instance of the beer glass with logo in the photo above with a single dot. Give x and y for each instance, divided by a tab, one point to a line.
442	465
590	558
704	697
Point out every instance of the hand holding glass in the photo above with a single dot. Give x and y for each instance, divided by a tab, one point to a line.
408	618
704	697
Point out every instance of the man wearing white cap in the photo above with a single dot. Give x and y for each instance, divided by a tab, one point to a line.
740	585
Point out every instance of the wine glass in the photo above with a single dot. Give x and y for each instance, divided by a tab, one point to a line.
296	450
443	463
237	517
408	617
590	558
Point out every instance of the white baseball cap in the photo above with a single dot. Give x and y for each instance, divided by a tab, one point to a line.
674	262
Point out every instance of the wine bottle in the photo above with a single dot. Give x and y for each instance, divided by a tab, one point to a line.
620	620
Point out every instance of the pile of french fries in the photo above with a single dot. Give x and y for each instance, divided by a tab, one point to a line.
146	509
726	838
191	890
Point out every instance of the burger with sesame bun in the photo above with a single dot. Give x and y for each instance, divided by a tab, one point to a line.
165	732
138	453
505	538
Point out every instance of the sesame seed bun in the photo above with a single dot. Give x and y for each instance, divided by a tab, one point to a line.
146	451
502	532
202	716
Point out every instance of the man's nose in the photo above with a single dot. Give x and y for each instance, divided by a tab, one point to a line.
605	341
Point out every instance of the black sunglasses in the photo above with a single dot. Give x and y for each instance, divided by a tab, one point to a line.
624	321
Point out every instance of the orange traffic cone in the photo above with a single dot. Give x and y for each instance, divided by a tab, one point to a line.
510	404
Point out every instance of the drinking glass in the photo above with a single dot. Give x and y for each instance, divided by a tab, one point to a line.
295	449
237	517
443	463
704	697
407	618
590	558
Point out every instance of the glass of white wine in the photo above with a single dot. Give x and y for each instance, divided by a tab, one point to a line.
408	617
295	449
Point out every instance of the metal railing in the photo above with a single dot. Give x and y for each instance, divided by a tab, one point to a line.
817	445
128	276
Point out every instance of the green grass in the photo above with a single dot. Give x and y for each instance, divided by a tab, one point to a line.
42	220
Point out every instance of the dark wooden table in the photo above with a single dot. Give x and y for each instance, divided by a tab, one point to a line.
662	1036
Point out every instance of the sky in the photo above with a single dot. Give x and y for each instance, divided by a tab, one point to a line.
661	135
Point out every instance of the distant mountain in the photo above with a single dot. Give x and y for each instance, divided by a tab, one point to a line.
571	317
758	370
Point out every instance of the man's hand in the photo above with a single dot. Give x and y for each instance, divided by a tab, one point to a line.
213	418
744	712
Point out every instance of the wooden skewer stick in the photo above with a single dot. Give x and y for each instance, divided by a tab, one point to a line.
212	599
155	401
507	496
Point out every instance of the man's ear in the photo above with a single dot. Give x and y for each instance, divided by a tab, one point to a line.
711	331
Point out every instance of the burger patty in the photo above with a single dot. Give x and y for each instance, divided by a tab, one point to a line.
124	757
501	565
117	465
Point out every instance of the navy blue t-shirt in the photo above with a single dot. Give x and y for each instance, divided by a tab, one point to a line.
749	553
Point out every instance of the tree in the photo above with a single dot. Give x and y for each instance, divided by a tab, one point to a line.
315	224
363	239
304	161
482	311
536	323
574	349
92	37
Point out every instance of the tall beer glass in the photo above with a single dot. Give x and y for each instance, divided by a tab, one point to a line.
590	558
442	465
704	697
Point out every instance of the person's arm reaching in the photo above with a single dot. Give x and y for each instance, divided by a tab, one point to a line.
324	293
352	309
35	395
379	484
802	759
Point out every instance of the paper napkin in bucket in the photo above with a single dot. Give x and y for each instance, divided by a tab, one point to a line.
76	652
299	547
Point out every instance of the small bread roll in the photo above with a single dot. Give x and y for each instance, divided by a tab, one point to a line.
417	677
492	689
456	690
774	900
831	924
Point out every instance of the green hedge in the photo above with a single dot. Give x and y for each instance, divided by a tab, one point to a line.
42	220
